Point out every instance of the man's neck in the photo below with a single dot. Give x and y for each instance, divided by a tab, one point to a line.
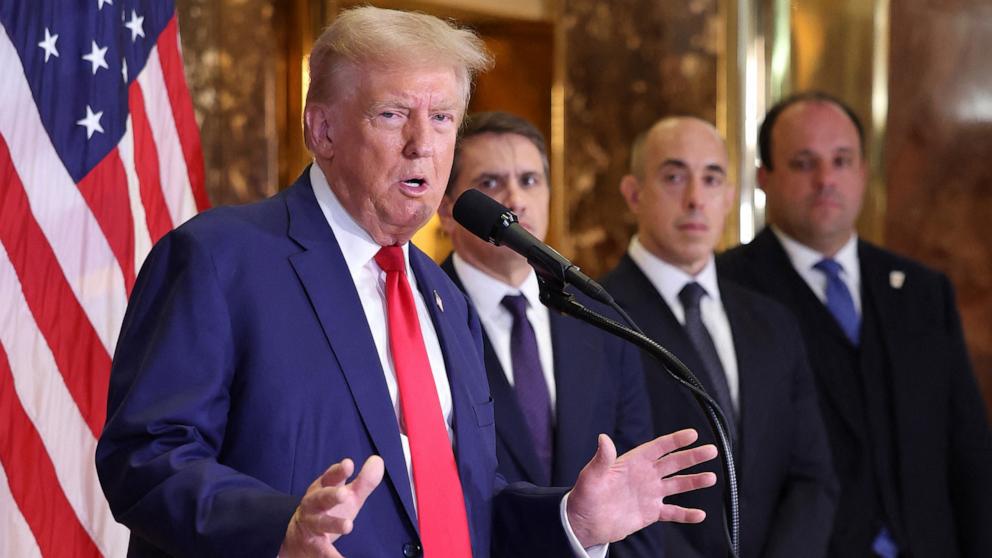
512	272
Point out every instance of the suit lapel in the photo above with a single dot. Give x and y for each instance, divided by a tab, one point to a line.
511	428
576	390
784	283
325	278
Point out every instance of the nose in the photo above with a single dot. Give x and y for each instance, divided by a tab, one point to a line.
694	194
824	175
514	197
419	141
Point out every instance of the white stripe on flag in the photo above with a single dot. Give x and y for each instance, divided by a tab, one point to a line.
51	408
142	239
172	164
63	215
16	538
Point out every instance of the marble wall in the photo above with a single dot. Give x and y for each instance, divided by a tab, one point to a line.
628	64
938	148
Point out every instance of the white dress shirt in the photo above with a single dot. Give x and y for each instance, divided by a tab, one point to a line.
669	280
803	259
359	252
487	294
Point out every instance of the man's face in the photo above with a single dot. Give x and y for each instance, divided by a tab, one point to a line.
684	196
816	188
509	168
387	144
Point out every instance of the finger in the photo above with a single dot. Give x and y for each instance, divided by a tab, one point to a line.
685	483
668	443
678	514
322	524
606	455
368	478
338	473
679	460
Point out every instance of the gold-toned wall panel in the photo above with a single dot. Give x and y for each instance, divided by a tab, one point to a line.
938	147
231	52
627	64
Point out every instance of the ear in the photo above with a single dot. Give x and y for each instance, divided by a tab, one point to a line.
317	130
630	188
762	176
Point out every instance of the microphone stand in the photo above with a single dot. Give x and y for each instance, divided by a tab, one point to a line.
553	295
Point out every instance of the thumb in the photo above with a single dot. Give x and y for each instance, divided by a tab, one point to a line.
606	455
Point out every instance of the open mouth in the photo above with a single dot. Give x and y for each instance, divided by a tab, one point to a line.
415	182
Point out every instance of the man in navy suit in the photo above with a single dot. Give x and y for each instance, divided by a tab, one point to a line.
264	343
551	403
908	428
743	347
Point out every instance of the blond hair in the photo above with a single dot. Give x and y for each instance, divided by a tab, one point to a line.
374	35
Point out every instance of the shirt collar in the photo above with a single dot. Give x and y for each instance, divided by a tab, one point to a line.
803	257
669	279
487	292
356	243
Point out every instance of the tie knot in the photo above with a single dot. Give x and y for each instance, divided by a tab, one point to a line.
829	266
390	259
516	304
690	294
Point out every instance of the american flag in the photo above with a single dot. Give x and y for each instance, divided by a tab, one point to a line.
99	157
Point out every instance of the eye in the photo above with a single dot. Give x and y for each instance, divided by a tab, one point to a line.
488	183
843	161
443	117
713	180
674	178
802	164
530	179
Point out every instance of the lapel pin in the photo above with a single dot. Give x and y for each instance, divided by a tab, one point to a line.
896	279
437	300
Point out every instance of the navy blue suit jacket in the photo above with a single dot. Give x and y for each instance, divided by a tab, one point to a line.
784	470
245	367
599	389
940	488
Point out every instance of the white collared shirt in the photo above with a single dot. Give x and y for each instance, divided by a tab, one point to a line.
359	251
669	280
803	259
487	294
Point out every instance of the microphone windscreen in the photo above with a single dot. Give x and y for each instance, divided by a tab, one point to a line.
479	213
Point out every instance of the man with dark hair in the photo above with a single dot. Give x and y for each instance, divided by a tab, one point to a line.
557	382
742	346
909	431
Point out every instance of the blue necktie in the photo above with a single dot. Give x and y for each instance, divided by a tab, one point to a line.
689	296
839	300
528	381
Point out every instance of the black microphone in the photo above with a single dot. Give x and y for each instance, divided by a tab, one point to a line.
493	222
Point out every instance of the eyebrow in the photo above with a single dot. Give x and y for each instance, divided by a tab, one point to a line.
711	167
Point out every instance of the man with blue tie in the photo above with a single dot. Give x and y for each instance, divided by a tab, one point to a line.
908	428
744	348
269	348
557	382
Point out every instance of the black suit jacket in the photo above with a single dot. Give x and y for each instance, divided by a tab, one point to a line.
784	471
939	487
599	387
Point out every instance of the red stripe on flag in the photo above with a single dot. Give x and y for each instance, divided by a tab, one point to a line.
35	487
182	110
105	192
79	354
146	164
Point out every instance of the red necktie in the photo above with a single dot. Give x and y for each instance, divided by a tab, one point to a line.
440	503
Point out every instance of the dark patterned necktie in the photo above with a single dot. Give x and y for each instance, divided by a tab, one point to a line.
528	380
690	296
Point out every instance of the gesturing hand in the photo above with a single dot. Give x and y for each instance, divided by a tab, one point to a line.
614	497
328	509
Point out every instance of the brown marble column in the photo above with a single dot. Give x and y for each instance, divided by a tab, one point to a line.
628	64
939	154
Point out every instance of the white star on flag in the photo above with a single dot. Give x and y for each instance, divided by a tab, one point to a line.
135	25
124	68
102	2
48	45
91	122
97	57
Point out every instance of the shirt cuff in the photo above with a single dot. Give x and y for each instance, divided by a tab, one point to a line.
598	551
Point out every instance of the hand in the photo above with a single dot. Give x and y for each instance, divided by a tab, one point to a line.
615	497
328	509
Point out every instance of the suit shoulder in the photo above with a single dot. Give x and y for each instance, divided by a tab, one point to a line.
876	255
756	302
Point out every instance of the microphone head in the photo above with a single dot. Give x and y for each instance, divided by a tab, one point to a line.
482	216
